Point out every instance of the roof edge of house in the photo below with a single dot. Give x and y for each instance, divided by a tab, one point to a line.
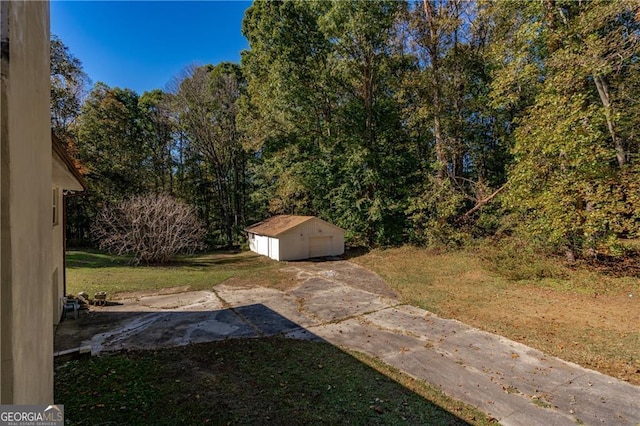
59	149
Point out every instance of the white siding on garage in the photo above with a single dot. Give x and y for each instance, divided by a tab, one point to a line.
274	248
266	246
260	244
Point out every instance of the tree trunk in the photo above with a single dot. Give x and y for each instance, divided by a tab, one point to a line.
430	15
603	91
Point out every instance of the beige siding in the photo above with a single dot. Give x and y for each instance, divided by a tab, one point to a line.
26	305
320	246
57	251
293	246
303	241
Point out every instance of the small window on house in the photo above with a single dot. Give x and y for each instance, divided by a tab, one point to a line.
56	207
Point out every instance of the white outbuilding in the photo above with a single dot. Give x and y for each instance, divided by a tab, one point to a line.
287	237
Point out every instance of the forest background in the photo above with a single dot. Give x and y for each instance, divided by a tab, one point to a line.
438	123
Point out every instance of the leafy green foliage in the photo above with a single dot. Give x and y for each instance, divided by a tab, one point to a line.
68	87
321	78
205	100
158	129
460	139
112	149
572	176
435	212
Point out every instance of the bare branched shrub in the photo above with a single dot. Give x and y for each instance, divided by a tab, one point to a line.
153	228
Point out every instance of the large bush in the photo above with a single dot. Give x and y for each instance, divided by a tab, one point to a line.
153	228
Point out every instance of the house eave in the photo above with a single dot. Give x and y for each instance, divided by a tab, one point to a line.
65	173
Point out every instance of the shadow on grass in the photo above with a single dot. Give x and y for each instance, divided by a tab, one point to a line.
217	260
224	378
354	252
95	259
98	259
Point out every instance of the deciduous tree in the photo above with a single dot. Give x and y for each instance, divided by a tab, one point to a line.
68	87
575	171
206	102
153	228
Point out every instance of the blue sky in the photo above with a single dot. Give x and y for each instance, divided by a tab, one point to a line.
141	45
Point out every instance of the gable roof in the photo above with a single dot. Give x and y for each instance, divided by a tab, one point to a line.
276	225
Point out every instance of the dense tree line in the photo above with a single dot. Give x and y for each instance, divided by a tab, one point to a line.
431	123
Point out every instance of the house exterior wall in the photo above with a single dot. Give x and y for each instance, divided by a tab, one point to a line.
26	331
63	180
57	252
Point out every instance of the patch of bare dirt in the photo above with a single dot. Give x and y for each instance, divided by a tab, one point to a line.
135	295
627	266
277	279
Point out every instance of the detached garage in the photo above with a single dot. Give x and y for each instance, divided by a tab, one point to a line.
288	237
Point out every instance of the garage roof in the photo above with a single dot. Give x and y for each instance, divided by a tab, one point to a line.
276	225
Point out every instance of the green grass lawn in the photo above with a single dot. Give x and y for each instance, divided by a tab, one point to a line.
250	381
93	271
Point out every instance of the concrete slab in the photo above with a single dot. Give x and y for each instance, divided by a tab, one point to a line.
328	302
285	304
265	321
243	296
515	384
168	329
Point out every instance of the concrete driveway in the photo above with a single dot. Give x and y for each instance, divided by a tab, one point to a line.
348	306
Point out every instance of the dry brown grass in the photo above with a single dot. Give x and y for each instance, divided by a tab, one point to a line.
579	315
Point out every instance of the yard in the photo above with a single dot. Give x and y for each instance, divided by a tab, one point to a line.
578	314
235	381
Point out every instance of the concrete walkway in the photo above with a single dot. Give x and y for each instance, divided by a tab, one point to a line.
348	306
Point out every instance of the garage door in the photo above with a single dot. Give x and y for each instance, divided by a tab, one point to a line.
320	246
